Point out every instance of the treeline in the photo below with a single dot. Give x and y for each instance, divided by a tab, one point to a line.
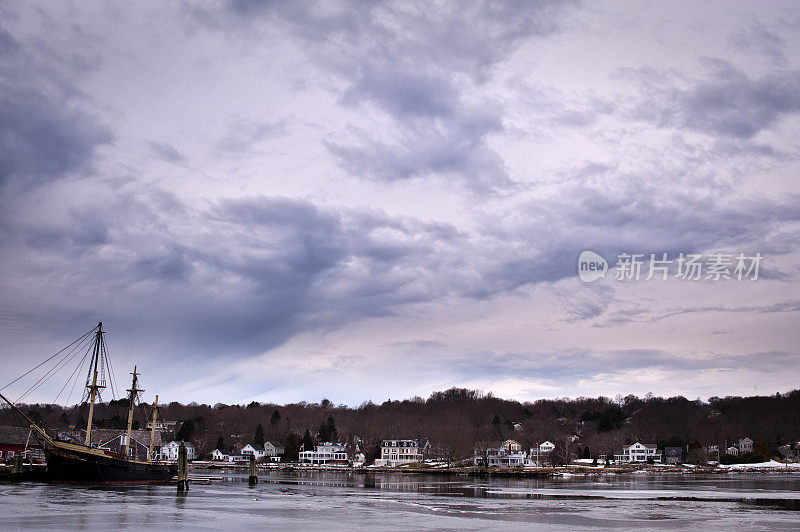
455	420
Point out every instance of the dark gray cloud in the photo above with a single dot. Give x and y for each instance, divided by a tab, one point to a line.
760	39
728	103
46	131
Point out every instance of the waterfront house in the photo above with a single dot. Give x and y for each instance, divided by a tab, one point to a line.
506	454
219	455
732	451
273	450
326	453
256	451
673	455
639	452
399	452
745	445
539	453
169	452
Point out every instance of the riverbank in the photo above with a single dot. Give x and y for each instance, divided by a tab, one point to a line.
539	472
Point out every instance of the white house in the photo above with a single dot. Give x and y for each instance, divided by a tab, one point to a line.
256	451
639	452
398	452
325	454
507	454
169	452
539	454
732	450
745	445
219	456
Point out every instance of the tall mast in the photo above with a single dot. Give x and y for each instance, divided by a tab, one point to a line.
153	429
94	387
134	391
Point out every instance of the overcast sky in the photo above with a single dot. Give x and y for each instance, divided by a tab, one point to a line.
288	201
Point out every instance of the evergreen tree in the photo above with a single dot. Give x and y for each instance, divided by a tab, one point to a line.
327	431
275	419
308	442
221	444
258	439
186	431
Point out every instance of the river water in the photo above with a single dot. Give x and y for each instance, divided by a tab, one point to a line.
308	500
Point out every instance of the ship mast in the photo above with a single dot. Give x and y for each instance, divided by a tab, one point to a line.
153	429
94	387
134	391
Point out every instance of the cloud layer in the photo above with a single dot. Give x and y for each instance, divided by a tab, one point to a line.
361	201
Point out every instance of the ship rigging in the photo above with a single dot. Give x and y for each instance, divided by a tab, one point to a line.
68	461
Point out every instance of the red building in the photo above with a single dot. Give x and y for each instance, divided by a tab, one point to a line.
13	441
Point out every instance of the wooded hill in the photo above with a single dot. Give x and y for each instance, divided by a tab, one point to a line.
457	420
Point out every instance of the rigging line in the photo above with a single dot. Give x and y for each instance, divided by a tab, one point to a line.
77	376
52	371
48	360
74	372
113	378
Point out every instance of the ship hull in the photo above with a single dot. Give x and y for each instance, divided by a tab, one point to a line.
71	465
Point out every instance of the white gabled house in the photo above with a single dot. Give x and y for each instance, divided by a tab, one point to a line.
219	456
639	452
538	454
325	454
169	452
257	451
745	445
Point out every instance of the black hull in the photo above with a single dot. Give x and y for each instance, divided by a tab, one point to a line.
78	467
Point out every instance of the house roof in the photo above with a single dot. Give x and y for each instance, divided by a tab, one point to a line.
673	451
256	447
276	444
10	435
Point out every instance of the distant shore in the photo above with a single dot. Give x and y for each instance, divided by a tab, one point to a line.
539	472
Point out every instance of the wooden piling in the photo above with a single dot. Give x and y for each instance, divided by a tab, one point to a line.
253	474
183	469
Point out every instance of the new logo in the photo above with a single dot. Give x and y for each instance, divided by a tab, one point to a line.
591	266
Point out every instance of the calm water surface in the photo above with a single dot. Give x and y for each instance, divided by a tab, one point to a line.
383	501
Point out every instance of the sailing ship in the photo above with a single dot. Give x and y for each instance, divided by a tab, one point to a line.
83	463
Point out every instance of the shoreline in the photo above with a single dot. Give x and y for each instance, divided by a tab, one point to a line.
544	472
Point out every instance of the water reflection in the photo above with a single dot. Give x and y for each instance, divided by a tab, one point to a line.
310	499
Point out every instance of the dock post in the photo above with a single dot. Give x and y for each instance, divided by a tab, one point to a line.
183	469
253	474
17	467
